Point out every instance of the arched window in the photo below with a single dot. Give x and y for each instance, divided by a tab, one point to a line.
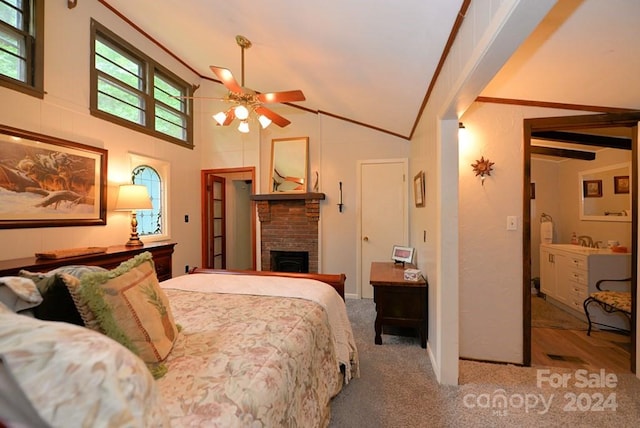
150	222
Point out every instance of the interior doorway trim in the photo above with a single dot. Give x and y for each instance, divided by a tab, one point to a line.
204	174
568	123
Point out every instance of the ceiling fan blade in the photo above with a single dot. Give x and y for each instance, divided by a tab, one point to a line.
275	117
230	116
227	79
281	97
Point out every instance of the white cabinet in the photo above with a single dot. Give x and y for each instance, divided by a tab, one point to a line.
568	274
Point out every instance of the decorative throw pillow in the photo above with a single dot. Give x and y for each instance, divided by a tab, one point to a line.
19	294
131	308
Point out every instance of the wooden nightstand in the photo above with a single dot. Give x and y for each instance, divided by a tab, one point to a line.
399	302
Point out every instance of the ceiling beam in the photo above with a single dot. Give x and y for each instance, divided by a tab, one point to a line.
587	139
563	153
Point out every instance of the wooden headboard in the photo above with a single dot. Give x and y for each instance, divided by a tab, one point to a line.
334	280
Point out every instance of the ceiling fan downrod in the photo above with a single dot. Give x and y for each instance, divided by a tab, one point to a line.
244	43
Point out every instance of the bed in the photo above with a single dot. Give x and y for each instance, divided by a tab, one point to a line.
235	348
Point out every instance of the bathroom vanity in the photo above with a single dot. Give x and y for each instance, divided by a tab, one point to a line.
568	274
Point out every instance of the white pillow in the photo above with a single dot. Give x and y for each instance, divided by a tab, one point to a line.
19	293
74	376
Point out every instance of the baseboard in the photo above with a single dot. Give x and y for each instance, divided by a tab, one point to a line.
504	363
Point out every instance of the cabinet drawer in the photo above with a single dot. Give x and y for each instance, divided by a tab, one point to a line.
577	293
577	276
576	304
163	266
578	262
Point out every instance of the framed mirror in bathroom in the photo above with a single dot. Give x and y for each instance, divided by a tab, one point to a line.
608	203
289	165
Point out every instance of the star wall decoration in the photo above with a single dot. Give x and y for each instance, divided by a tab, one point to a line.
482	168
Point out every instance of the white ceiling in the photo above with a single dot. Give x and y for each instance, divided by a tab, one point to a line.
372	61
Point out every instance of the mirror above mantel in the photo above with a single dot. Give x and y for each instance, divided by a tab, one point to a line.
605	193
289	159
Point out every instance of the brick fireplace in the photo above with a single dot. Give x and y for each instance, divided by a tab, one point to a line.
289	223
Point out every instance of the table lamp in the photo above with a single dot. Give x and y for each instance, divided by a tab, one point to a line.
132	197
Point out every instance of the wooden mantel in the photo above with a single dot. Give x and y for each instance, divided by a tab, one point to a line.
287	196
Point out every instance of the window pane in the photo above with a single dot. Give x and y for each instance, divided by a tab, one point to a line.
119	66
167	93
12	61
149	221
170	123
11	13
120	102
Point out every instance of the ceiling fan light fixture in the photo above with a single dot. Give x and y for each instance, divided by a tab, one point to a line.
243	127
264	121
242	112
220	117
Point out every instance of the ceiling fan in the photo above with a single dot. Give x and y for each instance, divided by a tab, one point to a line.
245	100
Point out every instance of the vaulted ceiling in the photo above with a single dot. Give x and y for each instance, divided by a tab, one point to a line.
372	61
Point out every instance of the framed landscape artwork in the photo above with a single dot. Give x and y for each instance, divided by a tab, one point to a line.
48	182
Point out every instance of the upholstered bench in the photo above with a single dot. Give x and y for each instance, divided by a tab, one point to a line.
610	302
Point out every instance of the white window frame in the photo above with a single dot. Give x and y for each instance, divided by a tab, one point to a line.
163	168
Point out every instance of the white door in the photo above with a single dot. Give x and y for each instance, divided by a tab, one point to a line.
384	209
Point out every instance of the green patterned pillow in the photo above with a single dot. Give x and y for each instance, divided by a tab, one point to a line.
131	308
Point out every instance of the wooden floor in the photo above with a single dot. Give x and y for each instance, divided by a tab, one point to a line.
558	347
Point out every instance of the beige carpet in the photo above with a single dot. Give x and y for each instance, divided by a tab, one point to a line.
397	389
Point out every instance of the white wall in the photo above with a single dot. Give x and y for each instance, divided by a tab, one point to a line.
490	33
490	256
64	113
334	149
343	145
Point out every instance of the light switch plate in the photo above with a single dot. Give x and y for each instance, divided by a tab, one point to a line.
512	222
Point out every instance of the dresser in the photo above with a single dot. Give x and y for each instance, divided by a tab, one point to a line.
399	302
114	255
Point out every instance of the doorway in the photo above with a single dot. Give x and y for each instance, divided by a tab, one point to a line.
580	131
384	221
228	219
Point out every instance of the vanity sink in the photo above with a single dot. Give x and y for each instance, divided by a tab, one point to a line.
580	249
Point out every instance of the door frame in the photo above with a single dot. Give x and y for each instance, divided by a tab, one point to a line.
608	120
404	161
204	174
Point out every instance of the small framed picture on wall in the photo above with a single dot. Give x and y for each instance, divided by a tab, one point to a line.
621	184
592	188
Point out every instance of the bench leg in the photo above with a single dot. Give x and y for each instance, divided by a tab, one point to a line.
586	312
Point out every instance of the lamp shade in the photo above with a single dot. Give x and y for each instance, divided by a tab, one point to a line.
133	197
243	127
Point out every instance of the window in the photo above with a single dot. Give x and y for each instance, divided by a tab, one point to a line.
153	174
22	45
149	221
132	90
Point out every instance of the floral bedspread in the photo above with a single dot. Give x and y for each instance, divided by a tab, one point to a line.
246	360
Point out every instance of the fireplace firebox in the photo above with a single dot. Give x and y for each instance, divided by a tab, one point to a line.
290	261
